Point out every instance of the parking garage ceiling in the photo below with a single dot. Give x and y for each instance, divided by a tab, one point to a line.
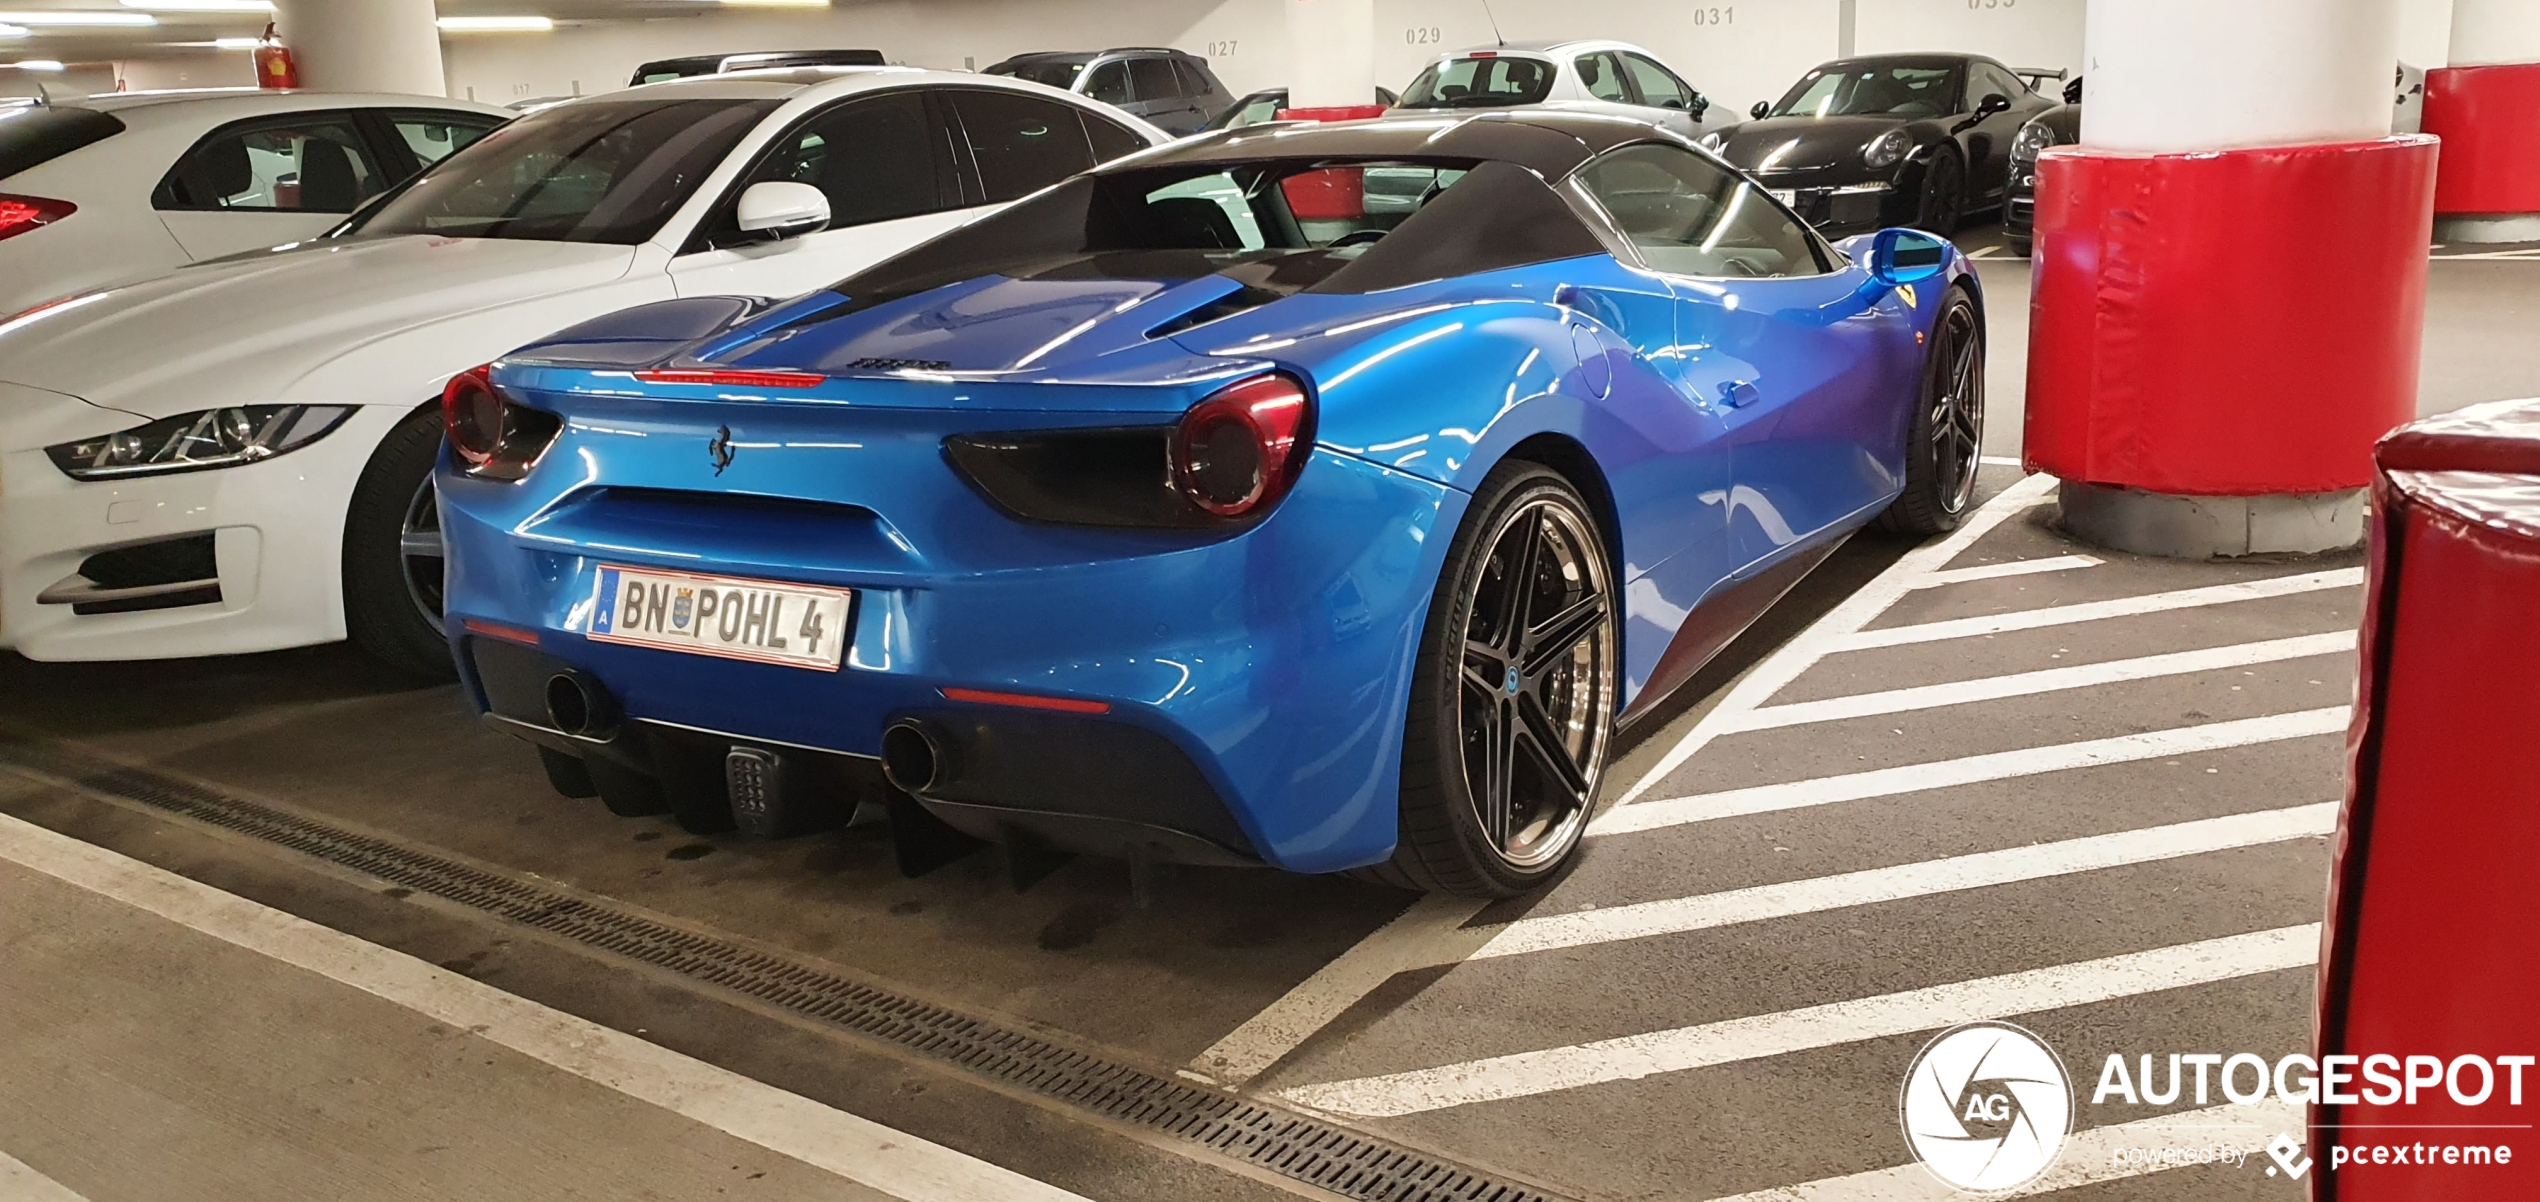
78	31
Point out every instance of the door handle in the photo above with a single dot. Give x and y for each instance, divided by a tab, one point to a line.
1738	394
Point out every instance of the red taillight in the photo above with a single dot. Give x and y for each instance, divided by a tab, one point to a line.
492	436
18	214
1238	451
732	379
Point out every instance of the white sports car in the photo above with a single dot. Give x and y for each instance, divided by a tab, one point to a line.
236	456
126	186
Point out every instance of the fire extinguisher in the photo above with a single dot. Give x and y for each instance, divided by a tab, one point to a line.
274	68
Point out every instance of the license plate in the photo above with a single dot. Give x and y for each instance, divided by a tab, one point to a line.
1784	195
770	623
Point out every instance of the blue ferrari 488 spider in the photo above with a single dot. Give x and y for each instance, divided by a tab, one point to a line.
1318	496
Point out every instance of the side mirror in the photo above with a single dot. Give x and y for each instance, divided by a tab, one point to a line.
1902	256
1701	105
2072	91
1761	107
783	209
1993	102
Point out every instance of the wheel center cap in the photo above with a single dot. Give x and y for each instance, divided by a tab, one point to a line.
1512	685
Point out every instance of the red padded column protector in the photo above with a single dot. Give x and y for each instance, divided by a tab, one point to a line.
2227	323
2489	120
1338	193
2433	942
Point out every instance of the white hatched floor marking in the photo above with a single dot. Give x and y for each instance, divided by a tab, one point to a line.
1942	774
1996	571
2093	611
2089	1157
1822	637
1923	879
1632	1057
2022	684
18	1183
787	1124
1432	932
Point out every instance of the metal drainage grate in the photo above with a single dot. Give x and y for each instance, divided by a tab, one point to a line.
1291	1145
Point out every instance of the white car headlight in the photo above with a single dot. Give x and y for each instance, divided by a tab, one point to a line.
2033	137
1887	150
192	442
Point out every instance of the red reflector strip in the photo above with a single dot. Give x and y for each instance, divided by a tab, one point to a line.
1027	701
734	379
496	630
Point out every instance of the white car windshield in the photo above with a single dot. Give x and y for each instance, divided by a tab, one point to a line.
600	171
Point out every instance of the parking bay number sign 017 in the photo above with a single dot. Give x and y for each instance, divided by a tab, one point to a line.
790	624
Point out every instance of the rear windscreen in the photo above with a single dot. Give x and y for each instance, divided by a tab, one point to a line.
31	135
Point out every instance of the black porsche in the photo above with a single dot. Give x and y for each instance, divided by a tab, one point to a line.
2054	127
1887	139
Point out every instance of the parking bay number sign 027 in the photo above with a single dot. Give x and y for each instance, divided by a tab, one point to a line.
790	624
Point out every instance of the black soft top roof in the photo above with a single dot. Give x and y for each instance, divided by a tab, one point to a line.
1550	143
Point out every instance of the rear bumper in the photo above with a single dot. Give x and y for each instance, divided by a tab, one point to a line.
1252	687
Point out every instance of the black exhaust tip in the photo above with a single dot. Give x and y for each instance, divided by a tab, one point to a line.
577	705
913	758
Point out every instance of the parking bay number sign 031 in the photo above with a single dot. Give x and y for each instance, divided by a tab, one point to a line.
790	624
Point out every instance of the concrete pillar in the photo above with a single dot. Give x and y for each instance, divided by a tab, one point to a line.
2188	383
2486	107
1331	53
363	45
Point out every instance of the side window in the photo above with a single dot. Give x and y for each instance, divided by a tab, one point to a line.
1152	79
874	159
432	136
1990	78
1658	86
1109	83
1194	82
1603	77
311	164
1688	217
1110	141
1020	143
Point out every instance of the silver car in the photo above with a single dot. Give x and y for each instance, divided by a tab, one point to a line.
1591	74
1169	88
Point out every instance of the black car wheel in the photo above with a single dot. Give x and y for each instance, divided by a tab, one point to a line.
1944	199
1943	447
392	554
1513	693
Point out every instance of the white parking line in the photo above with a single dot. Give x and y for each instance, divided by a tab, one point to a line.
2023	684
2093	611
1827	633
2089	1157
856	1149
1632	1057
18	1183
1968	770
1996	571
1923	879
1431	932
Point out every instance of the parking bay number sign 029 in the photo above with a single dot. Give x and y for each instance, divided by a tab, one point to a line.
790	624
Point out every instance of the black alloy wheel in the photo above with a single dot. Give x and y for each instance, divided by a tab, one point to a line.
1946	443
1514	697
393	555
1944	197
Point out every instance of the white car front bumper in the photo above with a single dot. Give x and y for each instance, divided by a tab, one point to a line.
276	529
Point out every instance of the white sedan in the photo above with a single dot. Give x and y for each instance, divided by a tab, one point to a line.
127	186
1595	75
236	456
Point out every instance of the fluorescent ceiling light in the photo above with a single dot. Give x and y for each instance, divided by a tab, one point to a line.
236	43
70	17
201	6
774	3
497	24
15	31
38	64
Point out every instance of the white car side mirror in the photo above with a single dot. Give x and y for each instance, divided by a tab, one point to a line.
783	209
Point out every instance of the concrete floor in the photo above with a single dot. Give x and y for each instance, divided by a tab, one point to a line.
135	1052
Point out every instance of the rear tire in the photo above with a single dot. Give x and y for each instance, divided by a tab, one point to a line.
390	610
1944	445
1513	694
